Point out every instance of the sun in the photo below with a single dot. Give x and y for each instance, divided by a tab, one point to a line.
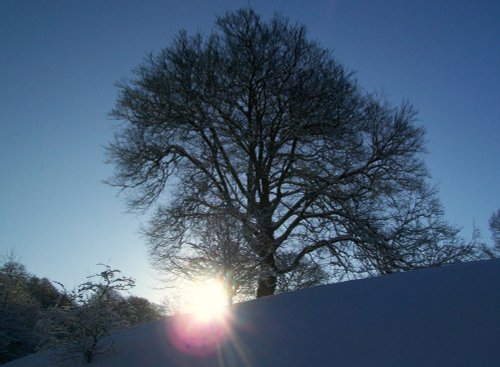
206	300
205	321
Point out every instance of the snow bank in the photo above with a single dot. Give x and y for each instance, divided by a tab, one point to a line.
447	316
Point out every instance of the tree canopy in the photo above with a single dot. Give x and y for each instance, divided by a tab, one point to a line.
256	123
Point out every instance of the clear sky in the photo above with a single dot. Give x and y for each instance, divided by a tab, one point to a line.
59	61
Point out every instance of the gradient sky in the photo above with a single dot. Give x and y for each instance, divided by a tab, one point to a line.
59	61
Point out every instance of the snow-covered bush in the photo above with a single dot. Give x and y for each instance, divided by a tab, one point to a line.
82	330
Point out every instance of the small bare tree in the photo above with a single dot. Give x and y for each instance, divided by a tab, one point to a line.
83	328
213	247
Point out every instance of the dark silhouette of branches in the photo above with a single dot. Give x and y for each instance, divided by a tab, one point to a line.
256	123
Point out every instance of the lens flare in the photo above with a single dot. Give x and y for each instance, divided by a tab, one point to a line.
205	321
197	337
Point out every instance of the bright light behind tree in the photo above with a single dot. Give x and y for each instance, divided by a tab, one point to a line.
204	322
206	299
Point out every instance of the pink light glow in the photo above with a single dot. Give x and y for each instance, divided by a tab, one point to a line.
198	337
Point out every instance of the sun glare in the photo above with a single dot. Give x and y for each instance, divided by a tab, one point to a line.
205	321
206	299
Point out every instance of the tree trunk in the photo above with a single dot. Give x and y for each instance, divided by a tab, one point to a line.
267	286
228	288
267	280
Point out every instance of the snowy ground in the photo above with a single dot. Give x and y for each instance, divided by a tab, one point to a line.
447	316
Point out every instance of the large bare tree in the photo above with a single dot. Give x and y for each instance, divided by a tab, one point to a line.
257	123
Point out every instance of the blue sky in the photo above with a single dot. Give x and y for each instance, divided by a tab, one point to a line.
59	61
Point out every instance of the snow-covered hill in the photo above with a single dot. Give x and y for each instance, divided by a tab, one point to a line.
447	316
